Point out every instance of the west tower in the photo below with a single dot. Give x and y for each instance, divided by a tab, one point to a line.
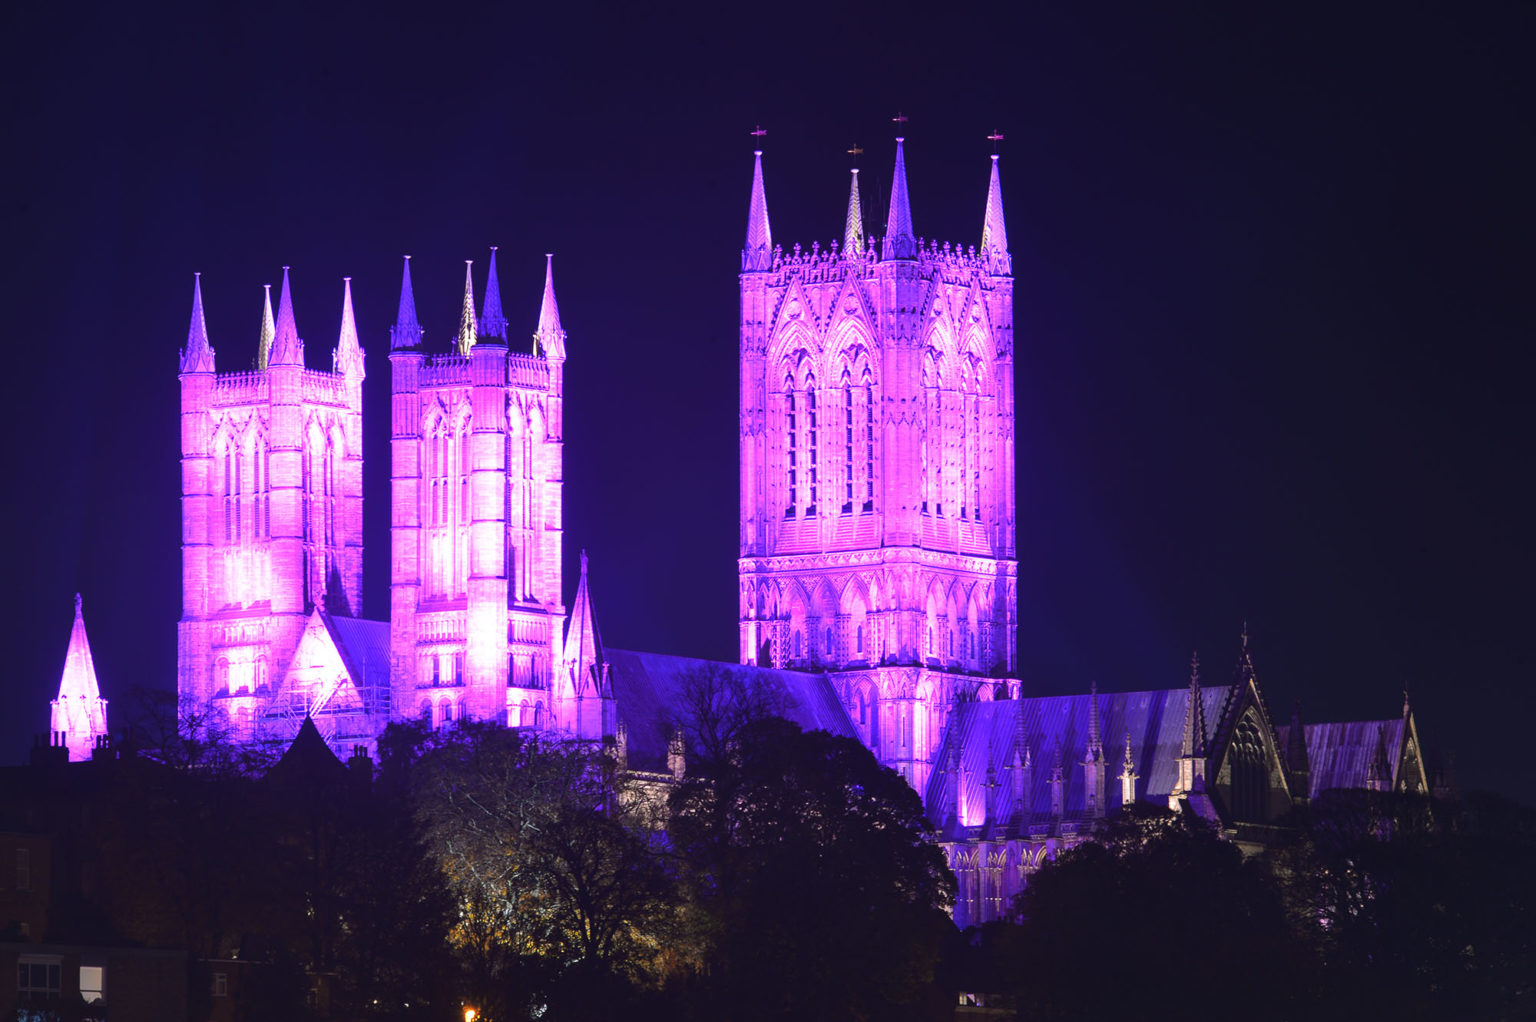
272	509
476	483
877	467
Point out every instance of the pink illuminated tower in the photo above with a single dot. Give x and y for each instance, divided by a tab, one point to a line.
272	511
79	715
877	467
476	610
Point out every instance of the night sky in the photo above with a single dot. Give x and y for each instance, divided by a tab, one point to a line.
1273	304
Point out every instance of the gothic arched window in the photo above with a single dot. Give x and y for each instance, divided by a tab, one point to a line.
869	443
1250	781
811	448
848	462
791	428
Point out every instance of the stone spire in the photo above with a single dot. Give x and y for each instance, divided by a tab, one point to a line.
994	233
287	346
268	330
900	242
853	226
758	253
1128	775
1093	763
550	337
348	357
1193	743
583	645
1095	739
79	713
1191	778
492	322
406	333
197	356
466	337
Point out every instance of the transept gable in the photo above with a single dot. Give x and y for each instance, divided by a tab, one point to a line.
321	677
1245	718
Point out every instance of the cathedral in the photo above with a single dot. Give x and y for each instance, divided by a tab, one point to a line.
877	570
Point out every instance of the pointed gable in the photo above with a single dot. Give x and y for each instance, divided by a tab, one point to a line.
324	677
79	713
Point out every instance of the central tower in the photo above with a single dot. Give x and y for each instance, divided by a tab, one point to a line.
877	467
475	529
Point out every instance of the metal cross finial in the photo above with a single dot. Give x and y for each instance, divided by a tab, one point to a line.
759	131
855	151
900	118
995	138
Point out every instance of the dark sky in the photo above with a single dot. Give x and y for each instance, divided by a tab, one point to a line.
1273	303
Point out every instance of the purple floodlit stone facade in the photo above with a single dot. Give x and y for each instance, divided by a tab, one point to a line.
877	564
272	514
79	718
877	469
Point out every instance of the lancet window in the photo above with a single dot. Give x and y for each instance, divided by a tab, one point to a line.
810	448
791	454
447	458
869	443
848	459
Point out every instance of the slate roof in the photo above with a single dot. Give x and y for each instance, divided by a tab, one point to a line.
365	645
648	688
1340	754
987	731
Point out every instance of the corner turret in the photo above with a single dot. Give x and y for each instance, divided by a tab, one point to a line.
994	233
406	333
466	337
348	356
197	356
287	345
79	713
268	330
757	254
549	339
493	324
900	242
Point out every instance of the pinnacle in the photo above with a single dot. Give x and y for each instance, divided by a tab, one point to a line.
492	322
900	242
268	330
406	333
757	255
550	336
197	357
466	338
994	232
853	226
349	354
287	346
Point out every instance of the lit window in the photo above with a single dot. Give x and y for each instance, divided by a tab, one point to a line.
92	983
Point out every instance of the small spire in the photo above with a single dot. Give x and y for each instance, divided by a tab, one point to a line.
466	338
268	330
79	714
492	322
1194	714
900	242
197	356
1095	741
406	333
994	233
287	346
758	253
1129	763
853	226
349	354
550	337
583	644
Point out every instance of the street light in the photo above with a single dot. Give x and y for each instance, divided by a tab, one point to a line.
469	1014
